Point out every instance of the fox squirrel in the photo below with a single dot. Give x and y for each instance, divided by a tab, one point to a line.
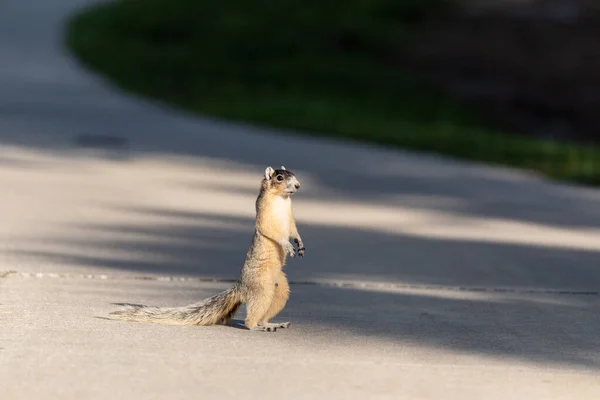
263	285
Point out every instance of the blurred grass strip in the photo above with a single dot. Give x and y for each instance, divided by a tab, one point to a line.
321	67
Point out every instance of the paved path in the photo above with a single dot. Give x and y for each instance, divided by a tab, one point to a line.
436	279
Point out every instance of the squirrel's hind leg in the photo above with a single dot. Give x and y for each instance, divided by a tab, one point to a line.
280	298
257	306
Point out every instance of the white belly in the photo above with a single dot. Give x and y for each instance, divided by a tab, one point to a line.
281	213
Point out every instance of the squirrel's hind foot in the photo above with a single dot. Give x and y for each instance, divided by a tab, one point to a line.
282	325
271	327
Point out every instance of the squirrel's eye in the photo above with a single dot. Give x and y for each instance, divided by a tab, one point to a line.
279	178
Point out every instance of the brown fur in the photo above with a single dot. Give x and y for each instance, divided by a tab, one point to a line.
263	285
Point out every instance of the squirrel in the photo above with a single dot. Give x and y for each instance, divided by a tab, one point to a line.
262	284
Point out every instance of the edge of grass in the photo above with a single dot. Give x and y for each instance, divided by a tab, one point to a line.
86	38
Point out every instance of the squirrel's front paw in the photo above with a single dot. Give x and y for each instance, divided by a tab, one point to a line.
290	250
301	247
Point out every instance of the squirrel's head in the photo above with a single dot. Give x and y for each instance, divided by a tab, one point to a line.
280	181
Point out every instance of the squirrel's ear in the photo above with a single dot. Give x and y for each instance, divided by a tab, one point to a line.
283	168
269	173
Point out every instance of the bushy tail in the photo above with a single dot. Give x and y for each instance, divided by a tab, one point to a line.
217	309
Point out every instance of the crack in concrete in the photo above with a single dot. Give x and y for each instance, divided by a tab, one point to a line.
342	284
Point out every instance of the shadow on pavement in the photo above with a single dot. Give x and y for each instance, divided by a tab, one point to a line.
555	329
558	329
214	245
544	329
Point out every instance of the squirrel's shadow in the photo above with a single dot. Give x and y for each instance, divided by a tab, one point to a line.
237	323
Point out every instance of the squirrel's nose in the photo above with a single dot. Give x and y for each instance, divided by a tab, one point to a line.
297	185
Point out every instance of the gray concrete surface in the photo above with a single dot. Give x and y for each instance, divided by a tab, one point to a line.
343	344
461	281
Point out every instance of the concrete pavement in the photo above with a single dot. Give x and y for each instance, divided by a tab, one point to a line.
343	344
461	281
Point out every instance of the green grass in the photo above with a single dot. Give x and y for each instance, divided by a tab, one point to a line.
321	67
